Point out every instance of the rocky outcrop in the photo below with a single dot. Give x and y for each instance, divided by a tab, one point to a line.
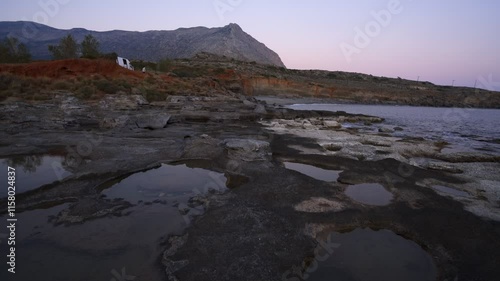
152	121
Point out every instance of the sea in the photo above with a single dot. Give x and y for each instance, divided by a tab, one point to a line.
466	129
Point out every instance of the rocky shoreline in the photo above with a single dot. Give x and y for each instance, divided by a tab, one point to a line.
267	223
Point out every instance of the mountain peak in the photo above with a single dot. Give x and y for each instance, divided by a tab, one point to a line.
234	26
230	41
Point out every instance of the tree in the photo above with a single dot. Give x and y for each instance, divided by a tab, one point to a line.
90	47
67	49
12	51
109	56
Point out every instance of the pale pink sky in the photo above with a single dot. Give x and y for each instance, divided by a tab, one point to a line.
440	41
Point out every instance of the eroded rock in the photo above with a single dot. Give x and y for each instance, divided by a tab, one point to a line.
122	102
152	121
332	124
247	149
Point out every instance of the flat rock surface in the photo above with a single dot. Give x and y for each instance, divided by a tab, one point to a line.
260	229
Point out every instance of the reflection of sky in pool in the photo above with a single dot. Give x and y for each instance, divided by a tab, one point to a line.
369	193
34	171
314	172
131	241
451	191
366	255
166	180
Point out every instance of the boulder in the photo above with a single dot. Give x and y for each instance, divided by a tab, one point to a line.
152	121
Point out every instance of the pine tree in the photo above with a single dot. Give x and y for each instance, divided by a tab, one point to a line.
90	47
67	49
12	51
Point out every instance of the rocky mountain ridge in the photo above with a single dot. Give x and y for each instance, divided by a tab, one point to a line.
154	45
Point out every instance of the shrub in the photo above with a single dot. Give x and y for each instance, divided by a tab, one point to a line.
85	92
124	84
139	64
150	80
153	94
62	85
106	86
331	75
219	70
164	65
185	73
5	81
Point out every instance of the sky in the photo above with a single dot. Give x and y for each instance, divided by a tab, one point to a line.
445	42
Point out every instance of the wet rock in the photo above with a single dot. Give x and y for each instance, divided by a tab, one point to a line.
446	167
358	152
122	102
152	121
332	124
235	180
172	266
89	208
360	118
260	109
183	209
332	146
316	121
306	124
467	157
319	205
248	103
385	130
373	140
398	129
247	149
70	104
204	147
290	123
177	99
197	200
114	122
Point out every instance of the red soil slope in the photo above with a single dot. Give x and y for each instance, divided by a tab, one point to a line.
65	68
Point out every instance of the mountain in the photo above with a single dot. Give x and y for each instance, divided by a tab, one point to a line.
230	41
